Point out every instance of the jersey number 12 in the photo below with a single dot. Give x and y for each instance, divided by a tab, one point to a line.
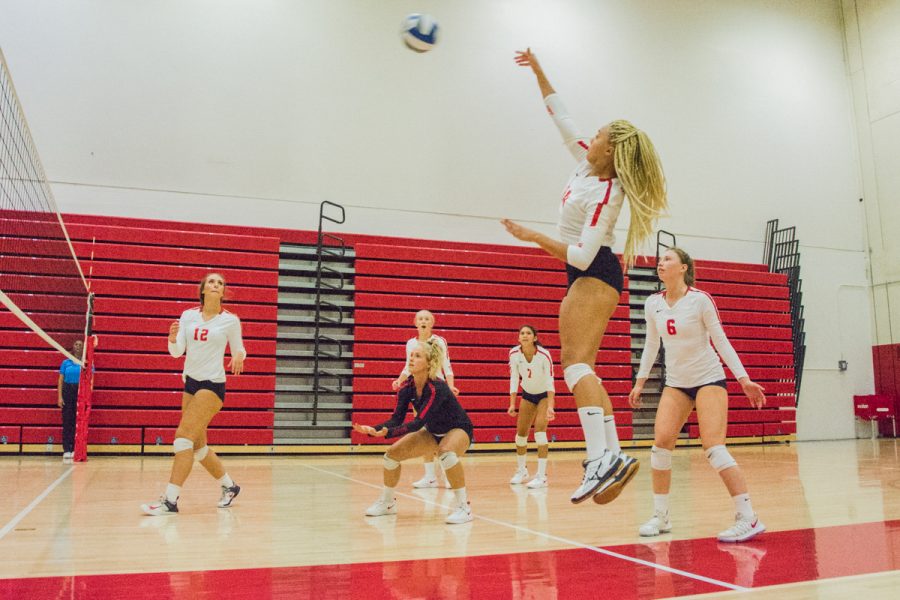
200	335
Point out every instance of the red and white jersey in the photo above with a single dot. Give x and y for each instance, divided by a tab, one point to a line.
445	371
205	342
686	330
536	375
590	206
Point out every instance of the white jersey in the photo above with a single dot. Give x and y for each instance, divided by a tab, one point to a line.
590	205
445	371
205	343
536	376
686	330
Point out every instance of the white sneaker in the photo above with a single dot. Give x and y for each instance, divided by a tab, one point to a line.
658	524
519	477
161	508
68	457
742	530
613	486
462	514
425	482
596	472
382	508
539	481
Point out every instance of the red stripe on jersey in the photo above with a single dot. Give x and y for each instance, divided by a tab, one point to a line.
550	110
718	316
602	204
582	144
566	195
427	407
546	353
514	349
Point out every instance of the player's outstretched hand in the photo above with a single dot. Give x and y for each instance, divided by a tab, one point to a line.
753	391
519	232
526	58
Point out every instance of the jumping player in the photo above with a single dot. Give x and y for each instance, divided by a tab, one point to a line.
531	364
686	319
440	426
202	332
619	162
424	322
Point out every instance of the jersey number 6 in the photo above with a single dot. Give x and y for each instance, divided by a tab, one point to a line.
670	326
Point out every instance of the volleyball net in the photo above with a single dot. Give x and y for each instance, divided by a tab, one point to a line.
46	297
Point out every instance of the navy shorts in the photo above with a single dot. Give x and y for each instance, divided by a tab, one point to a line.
470	431
533	398
192	386
692	391
604	267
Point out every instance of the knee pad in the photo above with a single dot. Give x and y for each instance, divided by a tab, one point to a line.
182	444
449	460
574	373
660	459
389	463
201	453
540	438
522	440
719	458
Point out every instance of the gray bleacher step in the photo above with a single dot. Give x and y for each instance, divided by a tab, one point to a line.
309	283
311	320
303	264
307	424
308	354
347	389
330	371
309	300
308	336
306	405
304	441
310	251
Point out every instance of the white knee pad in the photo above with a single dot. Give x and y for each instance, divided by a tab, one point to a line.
522	440
449	460
719	458
540	438
389	463
574	373
182	444
660	459
201	453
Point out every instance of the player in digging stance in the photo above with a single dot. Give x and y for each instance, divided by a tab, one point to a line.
618	162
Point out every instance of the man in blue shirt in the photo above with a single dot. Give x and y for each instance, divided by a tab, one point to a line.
67	391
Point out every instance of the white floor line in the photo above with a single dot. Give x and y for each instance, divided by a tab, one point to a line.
15	520
549	536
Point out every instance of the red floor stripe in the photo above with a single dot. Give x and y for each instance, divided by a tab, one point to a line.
773	558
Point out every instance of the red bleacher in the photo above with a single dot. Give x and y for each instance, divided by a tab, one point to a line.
142	279
144	273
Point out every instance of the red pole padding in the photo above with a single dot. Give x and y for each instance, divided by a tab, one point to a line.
85	392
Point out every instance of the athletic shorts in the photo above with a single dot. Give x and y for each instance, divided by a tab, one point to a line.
467	428
533	398
604	267
192	386
692	391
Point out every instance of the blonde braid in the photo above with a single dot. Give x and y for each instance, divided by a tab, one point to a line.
640	172
435	355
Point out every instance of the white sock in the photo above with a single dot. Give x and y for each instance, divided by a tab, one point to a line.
226	480
461	496
387	494
520	461
661	504
429	470
542	467
594	434
172	492
743	507
612	436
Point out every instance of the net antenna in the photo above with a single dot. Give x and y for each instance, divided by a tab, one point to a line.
41	281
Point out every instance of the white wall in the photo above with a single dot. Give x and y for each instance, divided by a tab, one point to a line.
252	112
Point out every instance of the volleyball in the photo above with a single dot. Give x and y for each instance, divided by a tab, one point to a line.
419	32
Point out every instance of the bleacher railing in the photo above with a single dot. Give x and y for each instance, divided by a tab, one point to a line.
781	253
326	346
